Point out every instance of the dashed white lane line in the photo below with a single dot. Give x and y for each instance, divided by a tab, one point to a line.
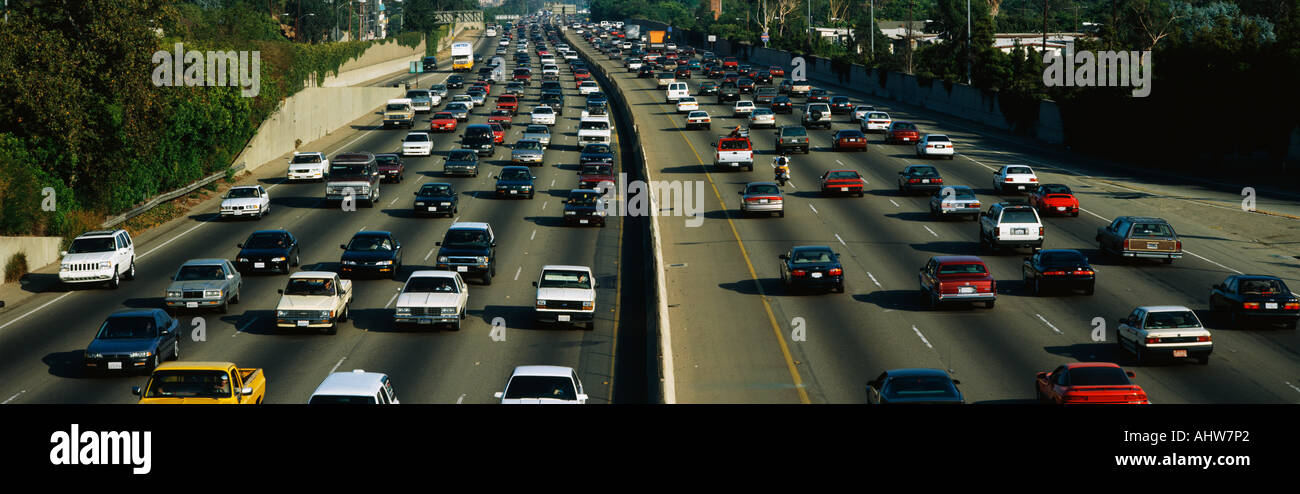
19	318
11	398
837	237
517	271
390	203
891	201
544	205
246	326
814	209
873	279
1103	218
426	256
336	366
534	235
931	231
462	398
1288	383
552	183
390	301
840	162
978	163
1040	318
923	340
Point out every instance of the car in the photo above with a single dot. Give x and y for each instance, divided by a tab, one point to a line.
1089	383
465	99
477	96
554	100
543	115
849	139
515	181
582	207
645	71
565	295
900	131
204	284
957	278
515	89
842	182
551	86
840	105
399	112
443	121
764	96
734	150
762	197
762	117
542	384
682	73
633	64
1140	237
876	121
663	79
354	388
731	78
591	175
1054	199
781	104
811	267
523	75
1164	331
507	102
268	250
742	108
785	87
816	115
698	120
746	85
439	89
1010	225
98	256
436	198
919	178
1014	177
914	387
596	153
714	72
952	200
934	145
479	137
594	129
461	162
469	248
314	300
528	151
133	340
455	81
728	92
539	133
498	133
308	166
391	167
353	176
458	109
417	144
1058	269
860	113
588	87
597	98
1242	299
791	137
550	68
246	200
371	252
207	383
819	96
430	298
763	77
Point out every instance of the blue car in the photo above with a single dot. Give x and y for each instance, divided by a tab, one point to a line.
133	340
596	153
914	386
515	181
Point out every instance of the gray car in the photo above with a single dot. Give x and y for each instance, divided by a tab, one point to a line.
762	197
478	97
539	133
204	284
459	109
461	162
133	340
791	137
954	200
528	151
439	89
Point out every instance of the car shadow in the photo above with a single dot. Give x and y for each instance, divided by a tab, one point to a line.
546	221
684	169
911	216
144	303
770	286
511	316
49	282
399	213
209	217
965	248
908	300
69	364
295	202
1088	352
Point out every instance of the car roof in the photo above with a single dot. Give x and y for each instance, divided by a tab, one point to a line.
203	262
1143	219
916	372
958	259
542	370
810	247
1076	365
269	231
371	233
476	225
99	233
566	267
313	274
759	183
433	273
136	312
1049	251
1164	308
351	384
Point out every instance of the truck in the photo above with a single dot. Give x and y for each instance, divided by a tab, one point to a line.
314	299
197	383
656	37
594	129
462	56
399	112
734	151
353	176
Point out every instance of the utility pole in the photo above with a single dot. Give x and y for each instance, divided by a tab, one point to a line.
1044	26
968	55
908	41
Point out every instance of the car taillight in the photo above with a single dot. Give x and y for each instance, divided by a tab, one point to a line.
937	181
1009	180
974	205
1178	245
1151	340
1202	339
913	180
1040	231
835	272
798	272
1291	306
1085	272
1250	305
1032	179
1053	273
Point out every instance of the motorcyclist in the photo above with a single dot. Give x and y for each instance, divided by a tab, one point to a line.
782	167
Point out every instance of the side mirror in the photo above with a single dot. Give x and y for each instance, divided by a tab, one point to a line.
280	291
740	192
955	382
344	247
1119	322
438	244
534	283
239	245
230	276
63	253
1130	374
582	396
246	391
135	390
783	257
416	193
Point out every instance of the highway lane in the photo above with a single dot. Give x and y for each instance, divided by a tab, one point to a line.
41	353
732	353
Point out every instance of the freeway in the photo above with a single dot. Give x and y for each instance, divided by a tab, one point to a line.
732	326
42	339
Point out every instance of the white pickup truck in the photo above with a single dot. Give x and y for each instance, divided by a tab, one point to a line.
432	297
566	295
314	299
594	129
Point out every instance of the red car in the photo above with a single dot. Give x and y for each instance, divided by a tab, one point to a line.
672	55
901	132
842	182
592	174
713	72
849	139
443	121
498	133
776	71
730	63
484	85
1089	383
508	102
957	278
580	75
1054	199
501	117
683	73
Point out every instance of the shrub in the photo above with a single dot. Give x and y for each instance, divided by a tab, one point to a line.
16	267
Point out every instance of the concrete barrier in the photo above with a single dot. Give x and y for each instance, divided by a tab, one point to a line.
40	251
309	115
384	59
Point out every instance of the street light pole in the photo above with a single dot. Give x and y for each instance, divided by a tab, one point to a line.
967	42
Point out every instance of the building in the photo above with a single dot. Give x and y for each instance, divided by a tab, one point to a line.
1055	41
897	31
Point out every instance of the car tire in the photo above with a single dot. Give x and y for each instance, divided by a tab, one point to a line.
1169	260
333	329
1234	321
344	317
235	299
839	288
780	214
1038	394
130	272
1138	355
224	307
1090	290
487	278
1037	289
176	350
115	282
295	262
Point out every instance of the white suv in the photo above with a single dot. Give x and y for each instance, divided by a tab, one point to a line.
309	166
354	388
677	90
1011	225
99	256
566	294
543	384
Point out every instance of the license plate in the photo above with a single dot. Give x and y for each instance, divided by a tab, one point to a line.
844	189
431	208
582	222
1270	305
939	147
514	192
925	180
1019	231
762	201
816	275
191	305
425	320
966	289
259	265
1021	187
115	365
462	269
1153	245
907	138
1180	353
562	318
1060	208
302	323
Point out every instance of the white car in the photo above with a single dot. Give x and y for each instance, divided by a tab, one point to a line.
354	388
743	108
417	144
677	90
861	111
551	69
565	295
543	115
934	145
762	117
1015	178
1165	331
432	297
588	87
104	256
687	104
464	98
246	200
503	42
570	55
876	121
549	59
542	384
634	65
308	166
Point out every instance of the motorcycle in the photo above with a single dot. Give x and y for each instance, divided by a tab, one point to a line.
782	176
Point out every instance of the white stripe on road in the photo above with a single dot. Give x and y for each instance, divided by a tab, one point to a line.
390	301
246	326
11	398
1040	318
891	201
873	279
840	162
1211	262
929	230
530	237
19	318
837	237
544	205
814	209
426	256
1103	218
923	340
517	271
462	397
159	246
336	366
1288	383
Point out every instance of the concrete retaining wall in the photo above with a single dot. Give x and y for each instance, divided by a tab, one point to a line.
381	60
40	251
309	115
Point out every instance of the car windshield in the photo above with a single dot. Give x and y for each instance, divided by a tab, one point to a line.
310	286
1170	320
306	158
341	400
1262	287
919	387
597	170
1059	258
417	138
765	189
417	95
462	155
962	268
128	327
463	237
189	384
554	278
596	148
478	132
435	190
266	241
370	243
431	284
839	99
397	107
457	107
1019	170
84	245
1019	216
199	272
843	175
593	126
922	171
241	192
548	387
1152	230
528	146
812	256
514	174
583	198
386	159
1098	376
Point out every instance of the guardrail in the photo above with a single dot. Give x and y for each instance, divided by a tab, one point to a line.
169	196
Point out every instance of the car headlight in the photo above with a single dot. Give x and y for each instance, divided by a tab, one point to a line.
211	293
403	311
141	354
255	206
446	203
173	293
325	314
588	305
481	260
65	267
541	304
384	263
350	263
419	204
243	259
442	258
94	355
600	213
448	310
569	213
281	313
279	259
105	264
526	187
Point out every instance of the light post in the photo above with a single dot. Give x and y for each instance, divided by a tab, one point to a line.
967	42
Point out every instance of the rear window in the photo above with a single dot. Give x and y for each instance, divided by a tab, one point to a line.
1170	320
904	126
1019	216
1152	230
1098	376
1019	170
844	174
1262	287
550	387
767	189
734	145
959	193
878	116
962	268
1053	258
1055	189
919	387
794	131
939	139
922	171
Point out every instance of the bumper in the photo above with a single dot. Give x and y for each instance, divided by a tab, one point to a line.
312	175
193	303
561	316
584	220
359	269
853	145
86	276
261	265
937	152
1068	283
474	269
390	176
843	189
1193	351
946	211
427	320
442	128
967	297
733	164
1024	187
340	197
303	323
762	208
526	159
417	151
1059	210
823	282
1037	243
513	192
459	171
394	123
1153	255
242	212
116	364
427	209
922	187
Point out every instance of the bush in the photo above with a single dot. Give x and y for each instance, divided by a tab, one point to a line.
16	267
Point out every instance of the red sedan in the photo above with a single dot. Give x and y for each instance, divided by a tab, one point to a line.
849	139
501	117
580	75
776	71
498	133
842	182
443	121
1054	199
946	279
730	62
902	132
1089	383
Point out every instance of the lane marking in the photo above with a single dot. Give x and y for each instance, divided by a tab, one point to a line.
19	318
1040	318
390	301
11	398
426	256
517	271
336	366
923	340
390	203
1211	262
837	237
544	205
841	163
891	201
173	239
552	182
873	279
462	397
814	209
927	228
1288	383
530	237
1103	218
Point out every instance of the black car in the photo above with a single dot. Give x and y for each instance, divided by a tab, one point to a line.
1062	269
914	387
469	248
764	77
647	70
133	340
582	208
455	81
812	266
551	85
785	86
1247	298
515	181
782	104
707	87
841	105
479	138
923	178
728	92
596	153
429	64
819	96
436	198
371	252
746	85
268	250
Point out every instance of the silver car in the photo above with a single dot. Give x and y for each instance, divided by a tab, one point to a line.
539	133
954	200
478	97
528	151
762	197
460	110
204	284
439	89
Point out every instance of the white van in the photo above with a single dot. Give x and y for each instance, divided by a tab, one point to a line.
677	90
354	388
